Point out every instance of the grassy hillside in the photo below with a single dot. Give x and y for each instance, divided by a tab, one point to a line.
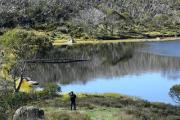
107	106
102	19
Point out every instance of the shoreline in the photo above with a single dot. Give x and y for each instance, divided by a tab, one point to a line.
110	104
95	41
92	105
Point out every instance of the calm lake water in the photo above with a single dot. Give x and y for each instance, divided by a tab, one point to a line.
146	70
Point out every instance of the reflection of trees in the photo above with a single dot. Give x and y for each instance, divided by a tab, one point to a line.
106	61
101	57
175	93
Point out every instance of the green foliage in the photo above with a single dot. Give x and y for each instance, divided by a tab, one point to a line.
45	26
3	115
175	93
74	30
50	90
16	100
161	20
23	43
10	102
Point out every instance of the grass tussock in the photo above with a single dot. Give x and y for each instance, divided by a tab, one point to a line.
64	115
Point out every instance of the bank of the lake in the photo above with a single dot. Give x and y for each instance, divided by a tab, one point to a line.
97	41
109	106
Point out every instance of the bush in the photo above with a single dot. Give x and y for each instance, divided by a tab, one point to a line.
16	100
50	90
175	93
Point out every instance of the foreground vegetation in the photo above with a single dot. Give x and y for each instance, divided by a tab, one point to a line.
112	106
107	106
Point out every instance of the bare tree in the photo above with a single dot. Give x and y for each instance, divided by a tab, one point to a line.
90	18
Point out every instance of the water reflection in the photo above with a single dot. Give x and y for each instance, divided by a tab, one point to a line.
130	69
163	48
149	86
109	63
104	61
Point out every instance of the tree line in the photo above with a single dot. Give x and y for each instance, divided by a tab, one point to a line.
91	16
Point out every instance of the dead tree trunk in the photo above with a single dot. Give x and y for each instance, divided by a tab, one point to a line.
21	77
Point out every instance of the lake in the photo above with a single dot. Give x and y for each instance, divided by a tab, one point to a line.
145	70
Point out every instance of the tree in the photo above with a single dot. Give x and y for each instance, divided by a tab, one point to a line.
90	18
175	93
22	45
112	21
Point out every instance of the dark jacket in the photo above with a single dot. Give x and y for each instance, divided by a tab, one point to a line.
73	97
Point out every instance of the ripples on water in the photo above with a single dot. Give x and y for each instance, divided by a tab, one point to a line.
145	70
164	48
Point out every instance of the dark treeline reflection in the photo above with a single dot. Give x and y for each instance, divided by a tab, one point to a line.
107	60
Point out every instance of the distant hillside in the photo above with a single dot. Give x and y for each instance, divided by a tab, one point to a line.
94	17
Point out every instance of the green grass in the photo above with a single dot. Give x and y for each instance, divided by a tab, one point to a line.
108	106
60	39
62	114
99	113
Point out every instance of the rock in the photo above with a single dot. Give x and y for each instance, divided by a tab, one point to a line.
28	113
71	40
158	38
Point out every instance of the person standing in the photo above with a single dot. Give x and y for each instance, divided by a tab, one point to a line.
73	100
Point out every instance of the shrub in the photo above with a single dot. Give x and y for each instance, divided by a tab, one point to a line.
175	93
50	90
16	100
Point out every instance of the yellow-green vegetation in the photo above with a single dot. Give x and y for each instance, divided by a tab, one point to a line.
23	43
99	113
7	60
26	85
60	39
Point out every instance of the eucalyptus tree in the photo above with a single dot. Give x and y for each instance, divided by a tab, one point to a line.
90	18
175	93
20	45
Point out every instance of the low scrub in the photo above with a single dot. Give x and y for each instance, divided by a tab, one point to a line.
66	116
